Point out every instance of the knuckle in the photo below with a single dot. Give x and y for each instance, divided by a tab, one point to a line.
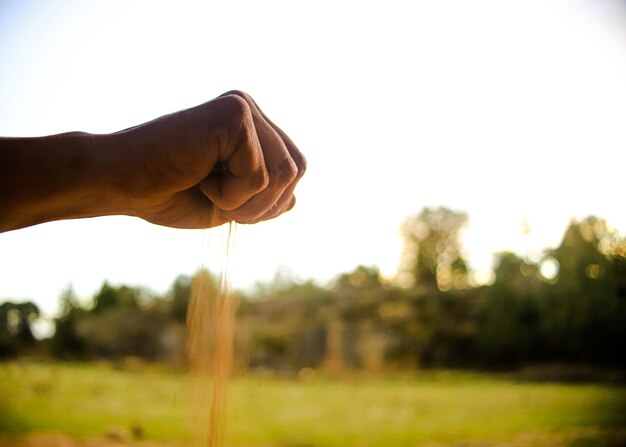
246	217
237	118
259	180
239	93
235	108
291	204
300	162
287	172
302	165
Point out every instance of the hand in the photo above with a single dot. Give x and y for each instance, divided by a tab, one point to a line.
220	161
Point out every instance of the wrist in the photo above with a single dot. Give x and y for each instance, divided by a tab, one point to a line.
152	162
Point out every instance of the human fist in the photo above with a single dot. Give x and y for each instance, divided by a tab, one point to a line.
201	167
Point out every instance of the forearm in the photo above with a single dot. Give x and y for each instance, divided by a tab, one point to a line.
56	177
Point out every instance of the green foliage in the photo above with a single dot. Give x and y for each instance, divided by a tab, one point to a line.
15	327
121	332
115	298
361	322
179	298
433	250
284	330
508	321
123	321
66	341
585	309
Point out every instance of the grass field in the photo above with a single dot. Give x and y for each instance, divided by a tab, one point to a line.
435	409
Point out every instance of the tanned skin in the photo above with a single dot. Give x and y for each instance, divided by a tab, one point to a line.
221	161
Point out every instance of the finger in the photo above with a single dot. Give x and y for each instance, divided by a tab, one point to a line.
288	200
246	174
295	153
189	210
281	168
286	204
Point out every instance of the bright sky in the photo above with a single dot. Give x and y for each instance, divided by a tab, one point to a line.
511	111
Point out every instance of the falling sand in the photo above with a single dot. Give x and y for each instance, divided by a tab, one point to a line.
210	345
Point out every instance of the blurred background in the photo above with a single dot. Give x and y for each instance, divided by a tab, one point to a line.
454	272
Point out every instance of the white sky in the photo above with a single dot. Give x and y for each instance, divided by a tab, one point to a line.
510	111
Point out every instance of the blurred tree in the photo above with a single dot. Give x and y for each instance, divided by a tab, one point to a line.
432	254
124	331
359	293
124	321
359	321
179	295
15	327
115	297
283	326
66	342
585	308
354	330
509	320
582	255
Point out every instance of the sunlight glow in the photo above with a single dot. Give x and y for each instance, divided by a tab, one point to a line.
549	268
474	106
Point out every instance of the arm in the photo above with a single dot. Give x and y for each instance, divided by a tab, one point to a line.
197	168
56	177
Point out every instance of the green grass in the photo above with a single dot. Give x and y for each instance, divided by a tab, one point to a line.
442	408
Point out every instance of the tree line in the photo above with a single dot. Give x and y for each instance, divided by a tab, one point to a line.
435	315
